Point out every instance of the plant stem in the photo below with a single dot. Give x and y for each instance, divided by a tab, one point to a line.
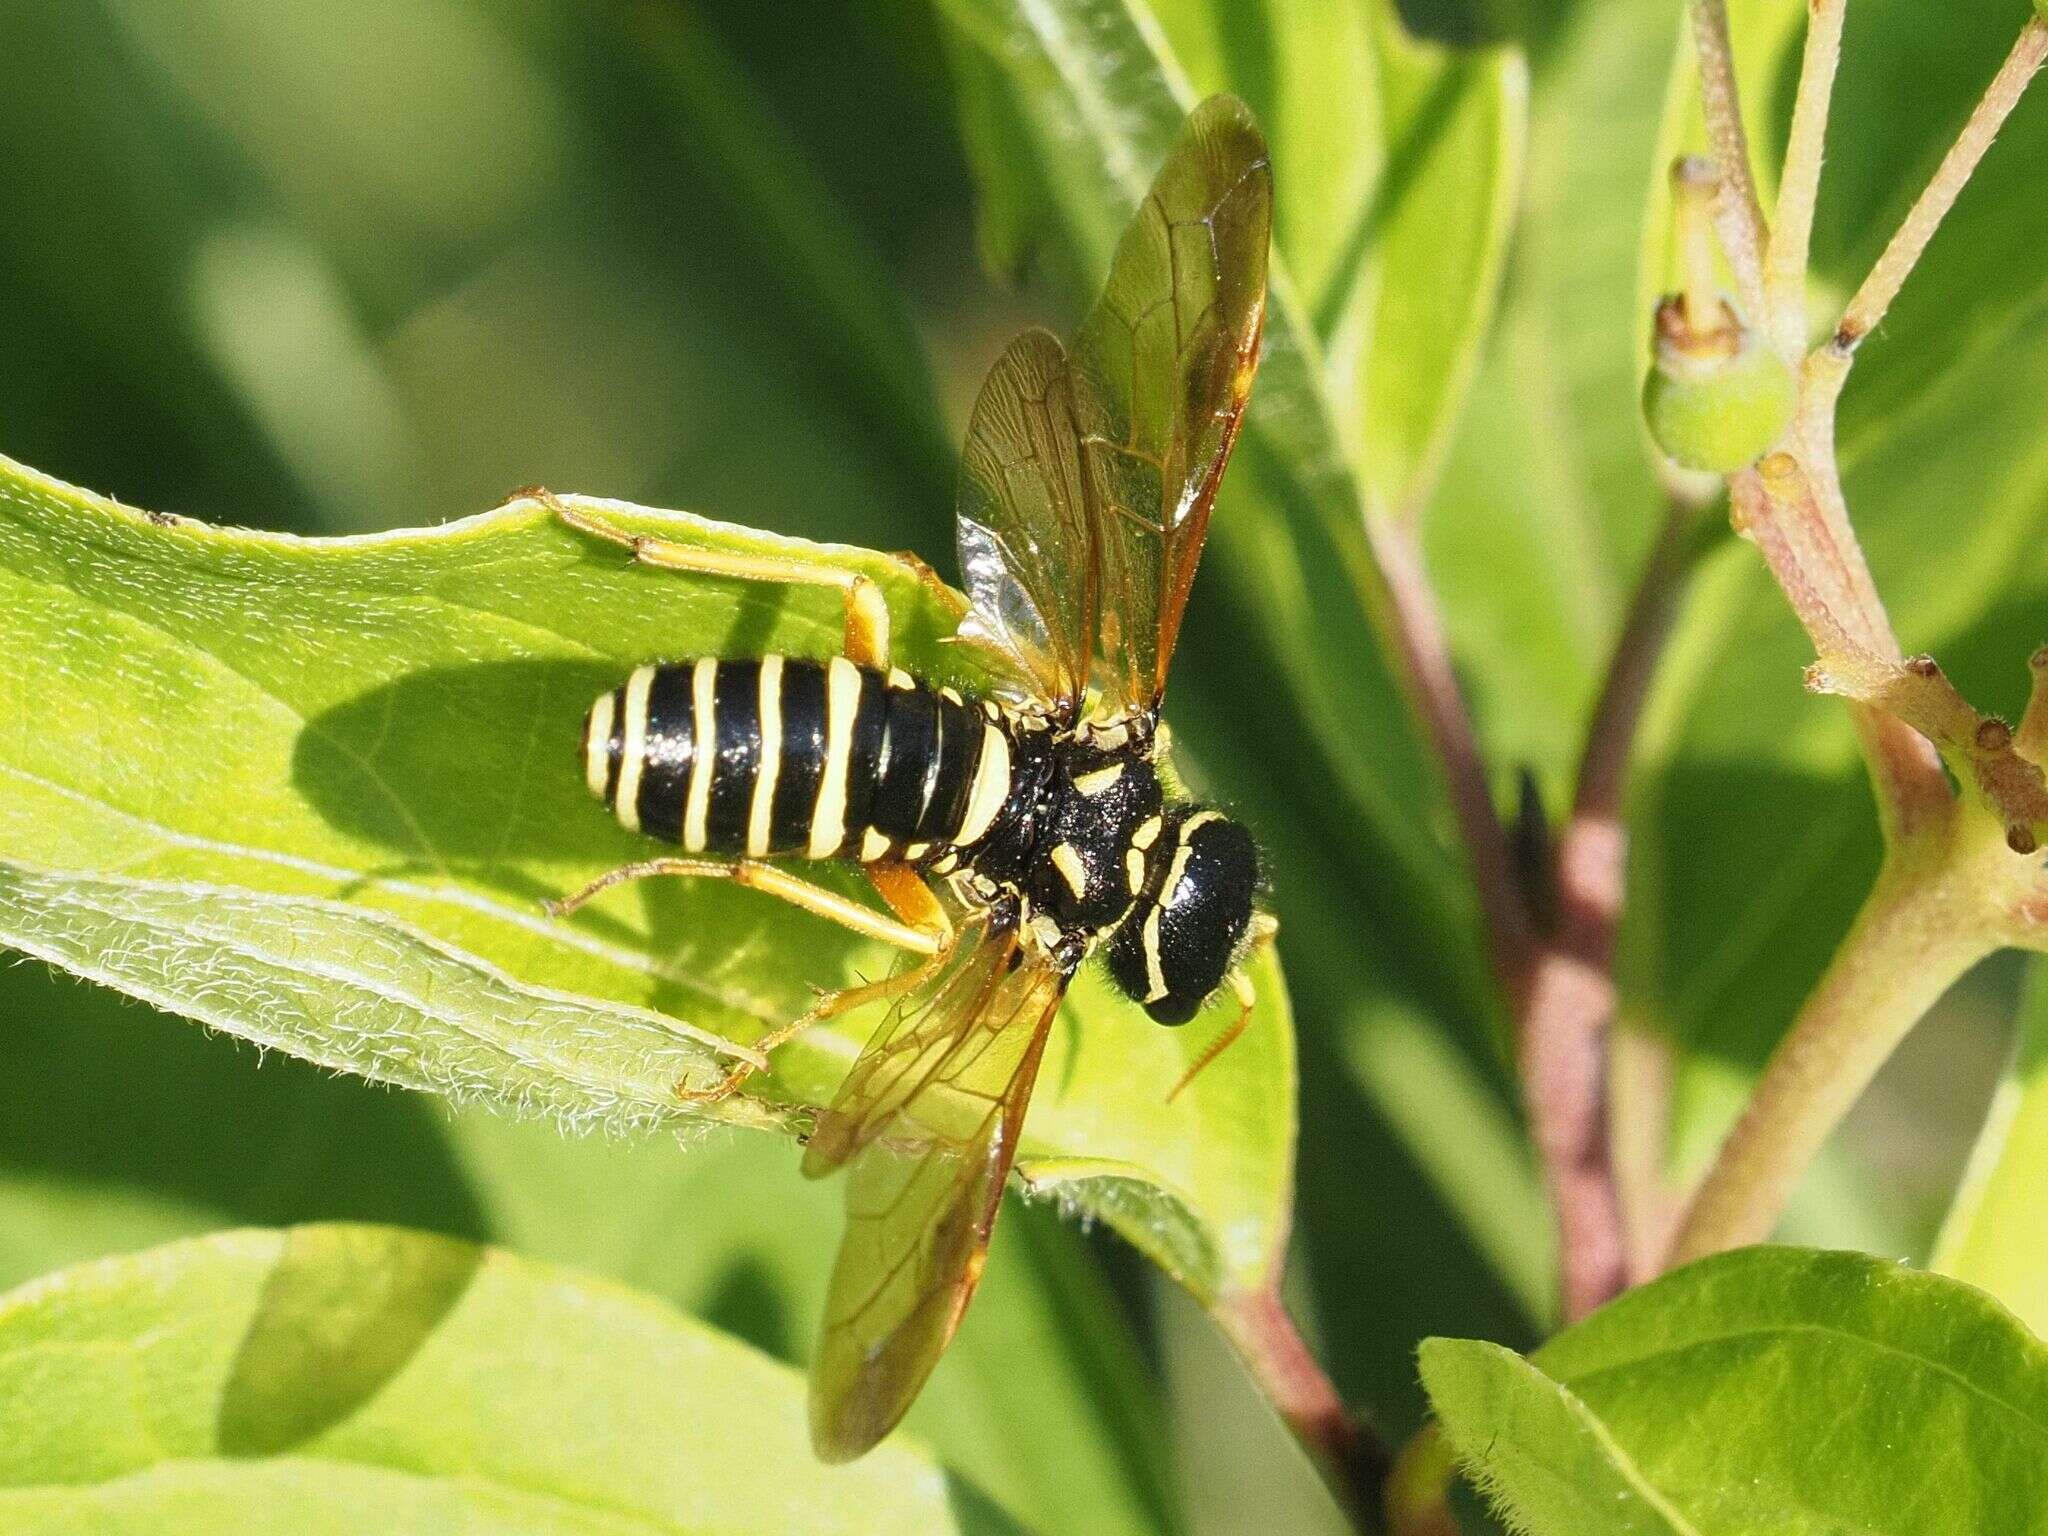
1743	235
1433	685
1792	508
1641	1068
1561	1051
1900	256
1603	766
1926	921
1799	187
1351	1459
1559	991
1951	889
1567	1012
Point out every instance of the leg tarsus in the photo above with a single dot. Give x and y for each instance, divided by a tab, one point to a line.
865	634
562	906
828	1006
772	880
933	583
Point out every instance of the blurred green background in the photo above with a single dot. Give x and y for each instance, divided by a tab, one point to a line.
332	268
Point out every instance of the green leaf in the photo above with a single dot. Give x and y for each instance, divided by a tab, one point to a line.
1992	1237
1045	1365
313	793
1536	1449
1778	1389
358	991
121	1128
333	1378
1440	218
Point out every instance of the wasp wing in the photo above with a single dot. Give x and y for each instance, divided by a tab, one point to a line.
1159	376
928	1120
1027	550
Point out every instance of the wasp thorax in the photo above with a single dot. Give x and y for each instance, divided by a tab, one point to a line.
1102	801
1184	934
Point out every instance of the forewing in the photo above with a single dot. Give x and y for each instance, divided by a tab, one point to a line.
1026	545
1160	373
928	1122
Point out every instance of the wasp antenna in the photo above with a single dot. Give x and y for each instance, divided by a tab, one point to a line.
1241	985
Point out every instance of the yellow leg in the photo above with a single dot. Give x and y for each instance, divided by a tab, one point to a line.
848	913
919	927
903	888
1264	928
950	600
831	1005
867	614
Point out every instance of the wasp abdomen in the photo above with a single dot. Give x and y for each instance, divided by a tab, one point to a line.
775	756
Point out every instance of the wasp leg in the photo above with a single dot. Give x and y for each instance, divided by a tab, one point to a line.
934	583
828	1006
922	928
1264	928
910	898
757	876
867	614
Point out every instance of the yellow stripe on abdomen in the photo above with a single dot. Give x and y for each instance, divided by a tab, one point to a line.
763	803
703	759
633	748
990	789
842	702
597	744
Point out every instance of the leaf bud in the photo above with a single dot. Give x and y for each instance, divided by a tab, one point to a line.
1718	394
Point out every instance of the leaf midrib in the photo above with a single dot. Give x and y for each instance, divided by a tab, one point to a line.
324	971
454	894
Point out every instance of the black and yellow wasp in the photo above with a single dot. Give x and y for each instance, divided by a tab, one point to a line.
1010	836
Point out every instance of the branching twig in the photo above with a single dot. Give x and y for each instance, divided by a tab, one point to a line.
1951	889
1799	186
1741	214
1900	256
1910	941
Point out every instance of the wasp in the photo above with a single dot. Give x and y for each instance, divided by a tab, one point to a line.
1009	836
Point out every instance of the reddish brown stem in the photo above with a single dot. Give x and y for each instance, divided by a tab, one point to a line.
1603	768
1433	688
1559	984
1569	1010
